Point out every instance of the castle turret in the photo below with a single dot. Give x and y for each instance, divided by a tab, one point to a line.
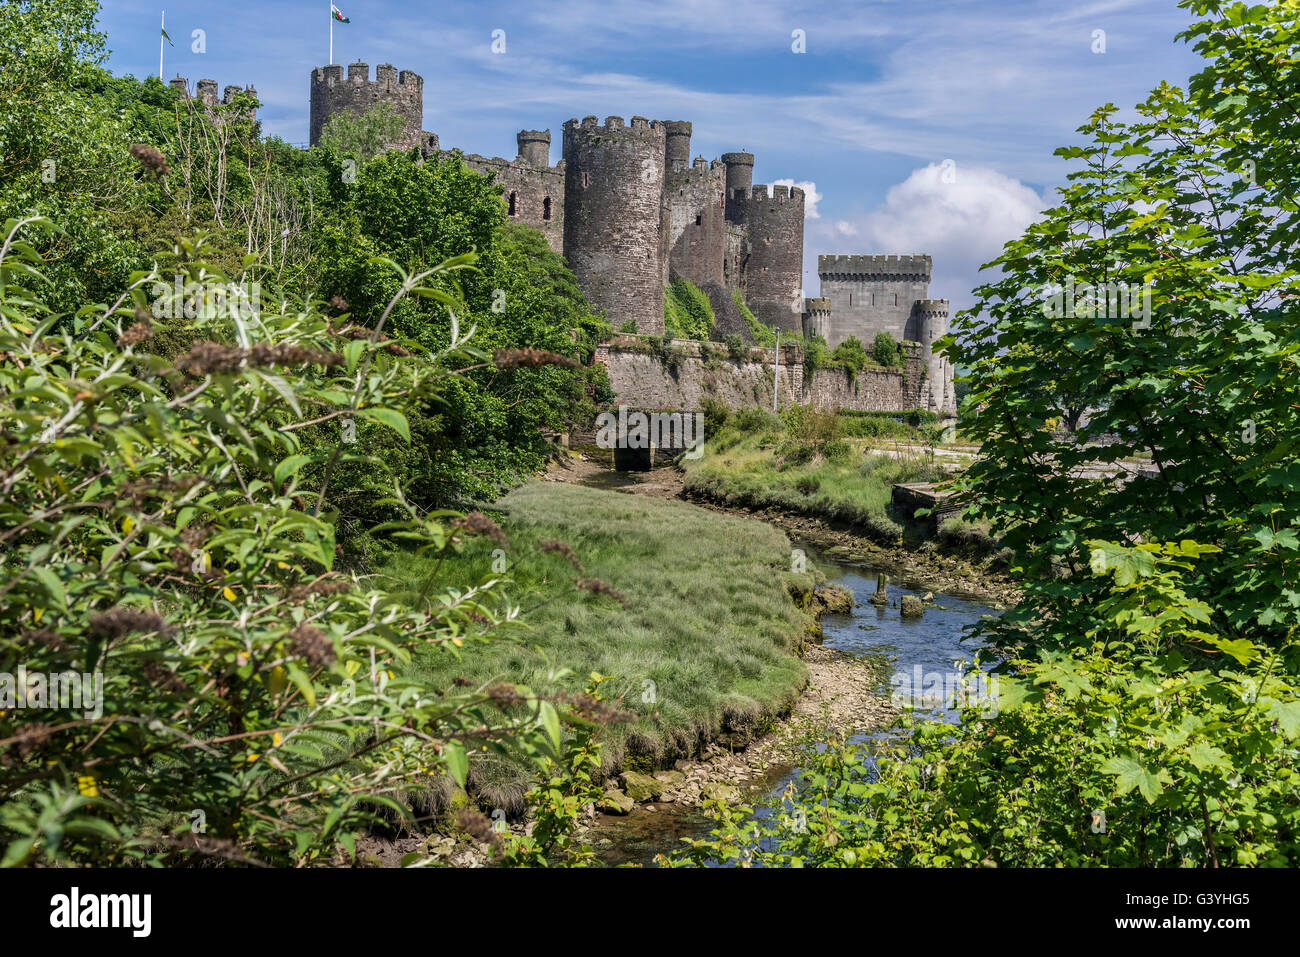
930	320
206	92
534	147
817	318
740	171
677	144
771	263
404	92
614	188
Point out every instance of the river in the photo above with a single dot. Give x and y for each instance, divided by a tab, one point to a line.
923	649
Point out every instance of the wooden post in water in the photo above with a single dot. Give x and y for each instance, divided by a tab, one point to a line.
881	597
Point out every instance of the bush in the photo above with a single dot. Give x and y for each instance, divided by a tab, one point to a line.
171	536
885	351
688	314
716	415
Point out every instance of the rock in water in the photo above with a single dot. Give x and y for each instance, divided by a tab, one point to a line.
616	801
641	787
911	607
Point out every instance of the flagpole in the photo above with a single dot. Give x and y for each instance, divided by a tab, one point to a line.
163	27
331	59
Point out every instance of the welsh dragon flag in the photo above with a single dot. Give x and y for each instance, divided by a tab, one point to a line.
167	38
338	14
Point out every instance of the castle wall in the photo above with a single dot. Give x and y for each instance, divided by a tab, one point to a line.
534	194
771	267
642	379
331	93
871	293
694	222
613	188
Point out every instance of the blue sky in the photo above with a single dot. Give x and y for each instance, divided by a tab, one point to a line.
886	92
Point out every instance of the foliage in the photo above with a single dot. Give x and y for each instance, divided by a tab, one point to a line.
688	314
1195	199
761	334
363	135
885	351
850	355
163	530
1156	743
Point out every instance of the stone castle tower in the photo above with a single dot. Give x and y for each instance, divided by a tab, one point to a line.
206	92
630	210
331	94
863	295
614	190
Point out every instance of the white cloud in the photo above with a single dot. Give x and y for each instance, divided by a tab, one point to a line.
962	224
810	195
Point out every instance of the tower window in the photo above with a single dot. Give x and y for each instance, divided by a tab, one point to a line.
512	205
586	179
698	220
546	208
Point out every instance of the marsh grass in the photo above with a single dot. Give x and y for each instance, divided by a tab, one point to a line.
818	474
708	619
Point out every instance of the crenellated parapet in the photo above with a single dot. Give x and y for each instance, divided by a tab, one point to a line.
205	92
878	268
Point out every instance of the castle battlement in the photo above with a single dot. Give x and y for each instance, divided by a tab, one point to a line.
615	126
931	307
386	76
883	268
206	91
759	193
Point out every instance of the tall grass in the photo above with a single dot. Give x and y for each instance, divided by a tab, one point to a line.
705	642
802	465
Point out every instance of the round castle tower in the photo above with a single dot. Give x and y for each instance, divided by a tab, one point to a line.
817	318
331	94
534	147
613	192
740	171
931	319
772	273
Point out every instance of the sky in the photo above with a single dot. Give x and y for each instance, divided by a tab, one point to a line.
913	127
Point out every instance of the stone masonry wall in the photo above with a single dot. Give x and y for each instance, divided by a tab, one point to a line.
699	371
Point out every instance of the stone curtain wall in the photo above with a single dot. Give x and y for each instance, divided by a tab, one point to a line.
692	372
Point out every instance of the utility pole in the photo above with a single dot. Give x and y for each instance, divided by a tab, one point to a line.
776	374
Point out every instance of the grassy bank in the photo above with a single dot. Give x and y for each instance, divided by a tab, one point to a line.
806	462
704	644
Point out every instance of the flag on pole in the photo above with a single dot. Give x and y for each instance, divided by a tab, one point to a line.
167	37
338	14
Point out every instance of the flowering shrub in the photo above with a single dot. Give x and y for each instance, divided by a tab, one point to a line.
166	534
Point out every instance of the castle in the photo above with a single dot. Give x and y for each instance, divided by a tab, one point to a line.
629	209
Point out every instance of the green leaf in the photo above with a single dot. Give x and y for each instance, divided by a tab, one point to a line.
453	753
390	417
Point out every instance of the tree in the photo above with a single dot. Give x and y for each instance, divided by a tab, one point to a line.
363	135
